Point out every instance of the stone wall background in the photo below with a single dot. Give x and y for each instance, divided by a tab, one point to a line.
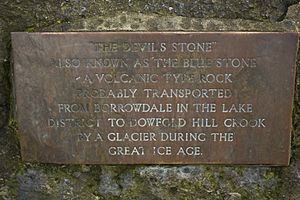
20	180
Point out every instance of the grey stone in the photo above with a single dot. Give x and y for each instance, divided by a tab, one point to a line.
165	23
67	189
4	193
137	182
210	183
108	185
33	185
293	14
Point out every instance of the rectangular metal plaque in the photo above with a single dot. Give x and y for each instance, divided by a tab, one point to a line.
164	98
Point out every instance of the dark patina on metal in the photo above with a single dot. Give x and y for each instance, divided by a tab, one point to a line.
163	98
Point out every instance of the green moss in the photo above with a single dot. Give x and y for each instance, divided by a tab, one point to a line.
269	175
30	29
12	124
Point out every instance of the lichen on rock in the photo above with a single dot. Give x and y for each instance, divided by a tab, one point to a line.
20	180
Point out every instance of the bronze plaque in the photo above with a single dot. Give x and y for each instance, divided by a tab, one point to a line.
163	98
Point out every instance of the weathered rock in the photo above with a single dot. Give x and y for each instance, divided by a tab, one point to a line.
32	14
4	90
19	180
293	14
210	182
33	185
154	22
108	185
4	192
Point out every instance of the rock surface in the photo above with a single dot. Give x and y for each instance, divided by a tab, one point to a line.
19	180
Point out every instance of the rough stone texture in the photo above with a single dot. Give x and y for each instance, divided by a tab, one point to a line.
3	79
67	10
293	15
19	180
141	22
